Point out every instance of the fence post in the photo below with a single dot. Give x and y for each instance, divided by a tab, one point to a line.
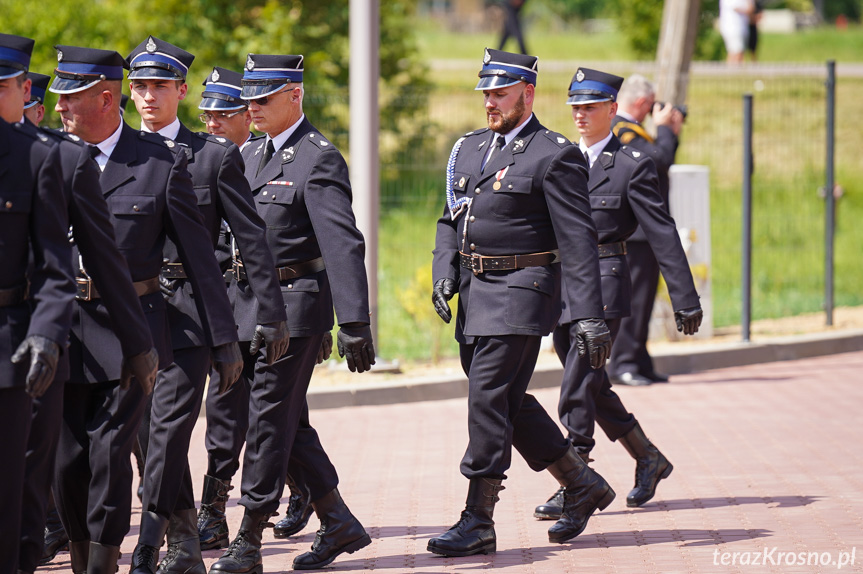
830	207
746	277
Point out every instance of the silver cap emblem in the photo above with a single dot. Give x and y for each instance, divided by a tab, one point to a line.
250	63
151	45
579	76
215	75
59	55
486	58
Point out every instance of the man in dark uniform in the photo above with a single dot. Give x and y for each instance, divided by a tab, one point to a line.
93	237
157	80
150	196
35	297
623	194
34	109
223	111
301	189
517	220
630	362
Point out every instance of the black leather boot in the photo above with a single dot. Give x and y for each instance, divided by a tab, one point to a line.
150	537
79	554
55	537
340	532
103	559
243	556
298	512
553	507
651	466
184	547
584	492
212	526
474	532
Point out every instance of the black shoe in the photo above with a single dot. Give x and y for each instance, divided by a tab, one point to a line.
212	525
243	555
184	547
55	537
298	512
656	377
474	532
150	536
585	491
651	466
630	379
340	532
552	508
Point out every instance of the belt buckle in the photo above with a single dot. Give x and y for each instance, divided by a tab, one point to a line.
474	257
85	289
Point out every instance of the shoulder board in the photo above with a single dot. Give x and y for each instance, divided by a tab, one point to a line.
320	141
161	141
31	131
558	139
476	132
633	153
211	138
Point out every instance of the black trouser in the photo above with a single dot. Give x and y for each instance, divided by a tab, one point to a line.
228	421
629	354
93	474
278	418
15	415
500	412
586	396
47	416
166	431
512	28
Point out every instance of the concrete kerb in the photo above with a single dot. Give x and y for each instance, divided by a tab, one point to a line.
674	361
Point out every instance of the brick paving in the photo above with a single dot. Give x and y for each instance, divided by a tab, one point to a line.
766	458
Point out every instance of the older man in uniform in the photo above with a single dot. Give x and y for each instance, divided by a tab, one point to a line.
301	188
517	220
223	111
150	196
35	299
630	362
34	109
624	193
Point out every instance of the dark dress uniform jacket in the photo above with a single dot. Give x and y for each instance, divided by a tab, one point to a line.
222	192
304	196
33	214
541	205
623	195
149	195
661	150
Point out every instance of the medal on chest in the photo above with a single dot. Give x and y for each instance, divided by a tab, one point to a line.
498	177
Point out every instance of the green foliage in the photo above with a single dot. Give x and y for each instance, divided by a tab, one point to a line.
849	8
572	11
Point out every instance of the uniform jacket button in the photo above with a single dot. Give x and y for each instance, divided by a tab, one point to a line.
472	218
603	202
535	284
290	285
136	208
472	246
477	190
8	205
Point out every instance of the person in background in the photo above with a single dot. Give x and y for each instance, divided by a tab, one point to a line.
734	27
512	24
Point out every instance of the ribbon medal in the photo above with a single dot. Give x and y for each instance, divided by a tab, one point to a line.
499	176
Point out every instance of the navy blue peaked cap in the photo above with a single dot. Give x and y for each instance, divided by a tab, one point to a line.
155	59
592	86
38	89
222	91
80	68
266	74
503	69
15	52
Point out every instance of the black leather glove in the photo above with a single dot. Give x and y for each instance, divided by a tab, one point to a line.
592	338
228	362
276	338
142	368
689	320
168	287
326	348
444	289
355	344
44	354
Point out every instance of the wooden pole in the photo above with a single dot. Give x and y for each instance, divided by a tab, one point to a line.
676	46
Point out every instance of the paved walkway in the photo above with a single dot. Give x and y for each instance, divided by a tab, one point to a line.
768	464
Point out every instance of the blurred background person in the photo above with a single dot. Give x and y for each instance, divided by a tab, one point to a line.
734	27
512	24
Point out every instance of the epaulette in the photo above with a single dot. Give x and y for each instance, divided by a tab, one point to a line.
633	153
557	138
476	132
31	131
217	139
630	132
320	141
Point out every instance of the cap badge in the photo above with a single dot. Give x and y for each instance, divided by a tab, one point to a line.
486	58
579	76
215	75
151	45
59	55
250	63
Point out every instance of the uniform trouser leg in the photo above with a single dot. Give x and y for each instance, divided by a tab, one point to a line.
309	464
176	402
499	370
228	421
586	396
629	353
15	417
93	474
277	397
39	468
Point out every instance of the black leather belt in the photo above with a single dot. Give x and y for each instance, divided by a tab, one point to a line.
287	272
13	295
612	249
482	263
87	289
174	271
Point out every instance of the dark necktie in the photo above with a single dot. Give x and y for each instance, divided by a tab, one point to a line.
268	155
499	142
587	158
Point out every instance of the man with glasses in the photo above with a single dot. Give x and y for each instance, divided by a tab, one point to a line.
224	113
301	188
157	81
